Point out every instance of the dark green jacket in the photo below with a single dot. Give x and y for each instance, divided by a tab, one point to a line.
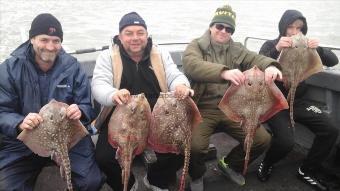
203	63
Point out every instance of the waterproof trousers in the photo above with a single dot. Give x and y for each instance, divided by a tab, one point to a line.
21	174
311	116
213	119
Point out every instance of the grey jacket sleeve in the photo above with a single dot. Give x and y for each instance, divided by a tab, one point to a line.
173	75
102	81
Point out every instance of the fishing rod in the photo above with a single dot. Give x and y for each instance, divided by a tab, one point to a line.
88	50
91	50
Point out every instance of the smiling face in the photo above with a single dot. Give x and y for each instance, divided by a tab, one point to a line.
220	34
46	49
134	39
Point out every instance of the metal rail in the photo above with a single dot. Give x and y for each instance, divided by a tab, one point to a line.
265	39
91	50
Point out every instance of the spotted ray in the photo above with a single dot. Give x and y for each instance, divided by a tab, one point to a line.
298	63
252	103
172	124
128	131
55	136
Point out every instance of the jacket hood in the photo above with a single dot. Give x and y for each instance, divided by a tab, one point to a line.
22	50
288	17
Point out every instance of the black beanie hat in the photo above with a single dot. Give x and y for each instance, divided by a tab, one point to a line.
46	23
131	18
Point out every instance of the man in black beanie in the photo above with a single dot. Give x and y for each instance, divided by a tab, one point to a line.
38	71
131	66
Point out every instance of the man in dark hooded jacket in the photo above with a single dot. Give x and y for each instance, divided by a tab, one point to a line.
37	71
305	112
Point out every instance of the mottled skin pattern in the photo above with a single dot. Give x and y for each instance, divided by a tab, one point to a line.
252	103
55	136
128	132
172	124
298	63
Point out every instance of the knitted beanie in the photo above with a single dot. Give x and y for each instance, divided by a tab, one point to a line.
129	19
225	15
46	24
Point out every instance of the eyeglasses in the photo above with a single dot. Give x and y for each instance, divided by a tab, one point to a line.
221	27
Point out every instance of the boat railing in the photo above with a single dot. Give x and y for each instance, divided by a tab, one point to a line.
91	50
255	46
265	39
252	38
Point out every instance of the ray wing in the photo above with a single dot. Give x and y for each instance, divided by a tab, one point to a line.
33	141
228	104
